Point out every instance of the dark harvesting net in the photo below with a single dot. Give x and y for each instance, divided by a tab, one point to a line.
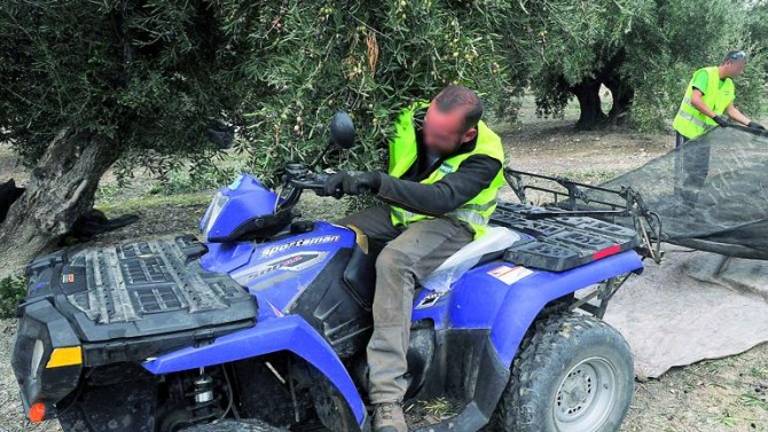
711	193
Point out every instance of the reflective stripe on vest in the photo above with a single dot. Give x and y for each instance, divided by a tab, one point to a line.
470	216
691	118
403	152
469	213
692	123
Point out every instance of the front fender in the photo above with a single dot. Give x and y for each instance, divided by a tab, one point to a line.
526	298
288	333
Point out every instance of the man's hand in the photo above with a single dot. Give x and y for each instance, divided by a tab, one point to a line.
343	183
757	126
334	185
362	183
721	121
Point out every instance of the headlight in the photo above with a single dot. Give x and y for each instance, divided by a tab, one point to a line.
37	357
218	203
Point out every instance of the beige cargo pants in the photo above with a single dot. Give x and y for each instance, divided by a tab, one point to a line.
407	256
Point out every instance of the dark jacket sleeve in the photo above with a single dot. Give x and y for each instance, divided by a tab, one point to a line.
451	192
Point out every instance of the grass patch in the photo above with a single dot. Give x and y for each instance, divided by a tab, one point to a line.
760	372
12	291
108	192
727	420
439	407
139	203
592	177
751	400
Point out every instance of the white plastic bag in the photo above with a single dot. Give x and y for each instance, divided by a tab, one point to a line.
495	239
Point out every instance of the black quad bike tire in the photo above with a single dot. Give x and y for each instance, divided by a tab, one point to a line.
574	373
249	425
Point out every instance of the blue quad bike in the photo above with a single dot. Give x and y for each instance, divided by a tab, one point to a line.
263	325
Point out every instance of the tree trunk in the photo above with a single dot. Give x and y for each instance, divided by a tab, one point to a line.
622	93
61	188
623	96
591	111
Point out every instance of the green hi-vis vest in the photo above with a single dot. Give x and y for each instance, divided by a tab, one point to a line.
692	123
403	151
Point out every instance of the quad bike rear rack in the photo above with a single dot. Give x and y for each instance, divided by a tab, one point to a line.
570	198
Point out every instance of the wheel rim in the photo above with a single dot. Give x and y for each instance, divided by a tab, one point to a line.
586	396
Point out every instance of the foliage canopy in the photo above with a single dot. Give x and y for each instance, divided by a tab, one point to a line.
643	51
307	59
150	77
145	76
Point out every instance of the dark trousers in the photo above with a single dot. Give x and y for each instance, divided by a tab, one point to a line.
691	169
407	256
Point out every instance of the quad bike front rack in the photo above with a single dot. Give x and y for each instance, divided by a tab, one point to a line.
570	198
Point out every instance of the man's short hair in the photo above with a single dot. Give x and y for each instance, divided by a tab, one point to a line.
735	55
454	96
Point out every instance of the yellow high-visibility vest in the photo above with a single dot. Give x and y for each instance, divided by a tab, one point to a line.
403	152
692	123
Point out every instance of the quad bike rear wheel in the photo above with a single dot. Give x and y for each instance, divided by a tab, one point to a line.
573	374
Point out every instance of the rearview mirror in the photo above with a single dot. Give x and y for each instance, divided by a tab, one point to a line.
342	130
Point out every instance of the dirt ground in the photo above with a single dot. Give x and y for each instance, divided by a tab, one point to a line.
730	394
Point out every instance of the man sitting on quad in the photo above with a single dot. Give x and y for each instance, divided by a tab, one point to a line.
445	169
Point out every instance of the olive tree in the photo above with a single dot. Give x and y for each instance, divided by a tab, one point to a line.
574	48
86	83
671	46
644	52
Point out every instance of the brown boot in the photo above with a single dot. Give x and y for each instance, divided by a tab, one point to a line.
389	417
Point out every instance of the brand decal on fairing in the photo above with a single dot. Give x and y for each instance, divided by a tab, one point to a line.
429	300
312	241
296	262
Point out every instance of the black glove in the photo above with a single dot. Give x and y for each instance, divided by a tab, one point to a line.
755	125
721	121
334	185
352	184
361	183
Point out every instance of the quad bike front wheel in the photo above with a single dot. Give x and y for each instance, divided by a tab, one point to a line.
573	374
250	425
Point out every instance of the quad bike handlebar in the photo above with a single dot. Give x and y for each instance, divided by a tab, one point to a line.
299	176
296	178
